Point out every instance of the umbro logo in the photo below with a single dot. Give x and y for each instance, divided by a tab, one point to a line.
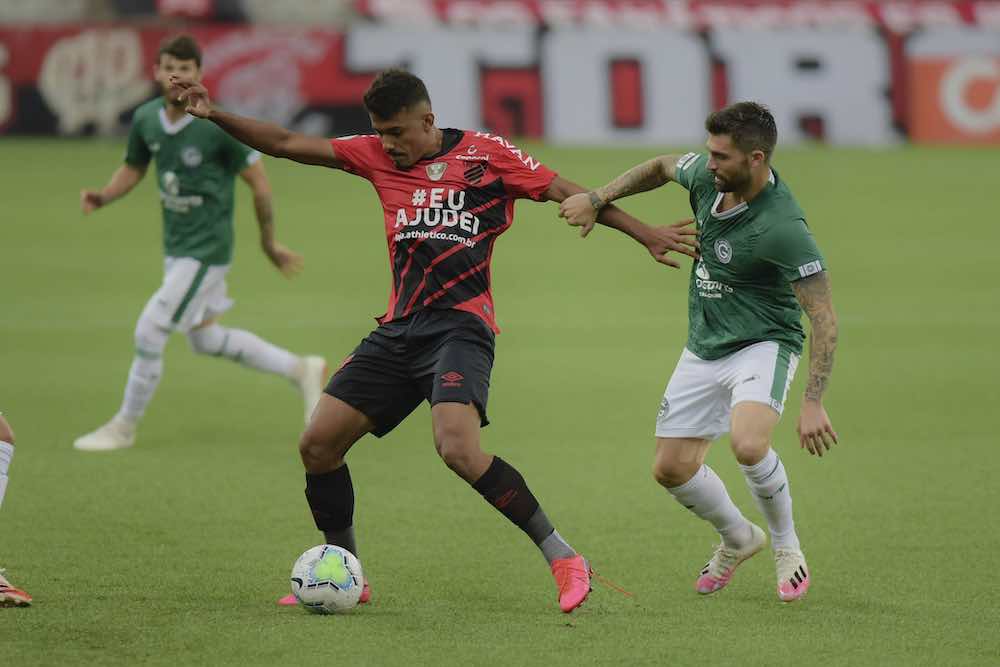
452	379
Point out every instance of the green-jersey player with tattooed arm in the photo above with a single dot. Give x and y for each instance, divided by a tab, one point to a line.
759	269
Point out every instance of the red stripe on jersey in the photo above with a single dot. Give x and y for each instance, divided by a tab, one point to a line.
456	280
445	255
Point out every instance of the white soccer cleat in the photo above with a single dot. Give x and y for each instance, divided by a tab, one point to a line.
793	575
10	596
310	379
116	434
719	570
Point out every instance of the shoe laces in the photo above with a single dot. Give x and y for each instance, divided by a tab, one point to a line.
568	570
787	562
723	561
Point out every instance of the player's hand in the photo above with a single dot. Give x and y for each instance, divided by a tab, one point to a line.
90	201
579	212
195	94
287	261
815	430
679	237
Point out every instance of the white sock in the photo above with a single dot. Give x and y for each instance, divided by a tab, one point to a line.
769	485
143	378
245	348
6	454
706	496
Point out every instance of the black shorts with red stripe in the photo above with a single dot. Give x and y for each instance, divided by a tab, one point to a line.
439	356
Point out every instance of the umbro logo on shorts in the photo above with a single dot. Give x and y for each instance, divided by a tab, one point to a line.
452	379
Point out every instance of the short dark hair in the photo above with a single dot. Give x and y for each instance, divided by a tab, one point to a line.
392	91
182	47
750	124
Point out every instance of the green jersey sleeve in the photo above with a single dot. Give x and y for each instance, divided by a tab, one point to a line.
238	156
137	152
790	246
692	173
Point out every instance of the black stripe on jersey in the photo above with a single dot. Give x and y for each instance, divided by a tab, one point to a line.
451	261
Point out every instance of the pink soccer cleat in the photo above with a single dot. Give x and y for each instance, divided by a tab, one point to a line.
366	595
793	576
10	596
573	580
719	570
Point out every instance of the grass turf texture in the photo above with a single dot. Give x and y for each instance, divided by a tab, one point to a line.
174	552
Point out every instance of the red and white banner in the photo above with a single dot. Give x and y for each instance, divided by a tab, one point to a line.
898	16
574	82
955	87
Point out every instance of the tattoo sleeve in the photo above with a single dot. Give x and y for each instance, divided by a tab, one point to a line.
649	175
815	297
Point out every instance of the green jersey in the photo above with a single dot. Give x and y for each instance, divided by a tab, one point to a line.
740	291
196	164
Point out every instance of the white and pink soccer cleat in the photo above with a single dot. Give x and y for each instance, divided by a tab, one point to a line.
11	596
793	575
719	570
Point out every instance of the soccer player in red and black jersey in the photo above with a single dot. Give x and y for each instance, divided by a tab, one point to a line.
446	196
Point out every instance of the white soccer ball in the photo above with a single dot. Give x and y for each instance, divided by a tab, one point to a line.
327	580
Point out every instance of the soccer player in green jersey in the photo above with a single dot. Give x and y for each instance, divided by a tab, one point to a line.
759	269
196	165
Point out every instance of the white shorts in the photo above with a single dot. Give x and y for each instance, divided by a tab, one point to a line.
192	293
701	394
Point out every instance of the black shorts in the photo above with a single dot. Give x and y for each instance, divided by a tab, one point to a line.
441	356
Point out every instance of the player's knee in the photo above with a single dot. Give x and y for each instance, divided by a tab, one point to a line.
317	454
150	338
454	448
6	433
670	472
208	340
749	449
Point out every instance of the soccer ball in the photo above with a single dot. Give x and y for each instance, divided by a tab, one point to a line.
327	580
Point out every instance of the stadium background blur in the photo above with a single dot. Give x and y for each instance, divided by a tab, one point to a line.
174	551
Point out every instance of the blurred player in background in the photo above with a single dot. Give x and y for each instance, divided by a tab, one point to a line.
759	268
447	195
196	165
9	595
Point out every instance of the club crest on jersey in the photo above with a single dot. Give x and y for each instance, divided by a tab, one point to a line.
191	156
436	171
723	251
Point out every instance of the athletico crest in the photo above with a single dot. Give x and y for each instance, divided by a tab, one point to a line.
436	171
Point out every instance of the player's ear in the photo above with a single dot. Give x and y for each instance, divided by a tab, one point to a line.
428	121
757	158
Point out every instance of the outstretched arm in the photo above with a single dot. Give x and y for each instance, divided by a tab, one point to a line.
265	137
122	181
286	261
815	430
659	241
582	210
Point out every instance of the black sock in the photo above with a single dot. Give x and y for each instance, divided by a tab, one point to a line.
331	499
504	488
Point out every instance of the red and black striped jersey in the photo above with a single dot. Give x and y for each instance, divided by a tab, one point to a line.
443	215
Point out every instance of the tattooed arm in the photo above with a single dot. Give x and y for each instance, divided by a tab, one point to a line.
581	210
815	430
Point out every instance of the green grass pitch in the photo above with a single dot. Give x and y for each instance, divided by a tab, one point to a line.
174	552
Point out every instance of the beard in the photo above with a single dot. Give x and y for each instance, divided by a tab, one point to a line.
732	184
